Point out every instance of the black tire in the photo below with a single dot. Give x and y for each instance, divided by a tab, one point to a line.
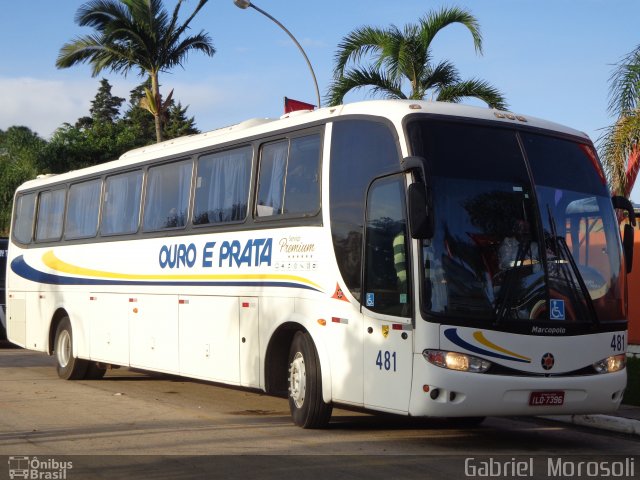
308	409
94	371
69	367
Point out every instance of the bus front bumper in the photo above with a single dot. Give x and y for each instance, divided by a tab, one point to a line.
440	392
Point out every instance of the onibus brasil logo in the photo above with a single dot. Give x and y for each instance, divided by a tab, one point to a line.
37	469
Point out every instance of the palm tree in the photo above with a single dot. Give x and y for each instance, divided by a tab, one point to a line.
135	34
620	145
405	56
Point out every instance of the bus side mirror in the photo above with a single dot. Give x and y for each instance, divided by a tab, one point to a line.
627	245
623	203
419	199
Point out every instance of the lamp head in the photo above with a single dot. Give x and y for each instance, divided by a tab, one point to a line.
242	3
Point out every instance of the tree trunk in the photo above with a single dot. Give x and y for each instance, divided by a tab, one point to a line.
157	117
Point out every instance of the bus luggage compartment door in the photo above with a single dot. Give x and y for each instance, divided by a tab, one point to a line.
249	342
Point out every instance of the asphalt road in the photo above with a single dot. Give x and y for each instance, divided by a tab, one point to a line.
138	425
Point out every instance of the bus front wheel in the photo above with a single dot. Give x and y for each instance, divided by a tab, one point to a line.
69	367
308	409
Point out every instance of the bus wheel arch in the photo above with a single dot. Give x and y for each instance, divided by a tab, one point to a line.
277	361
69	366
277	358
58	316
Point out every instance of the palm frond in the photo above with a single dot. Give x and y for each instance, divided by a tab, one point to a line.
178	53
615	147
357	44
433	22
441	76
355	79
624	95
475	88
99	14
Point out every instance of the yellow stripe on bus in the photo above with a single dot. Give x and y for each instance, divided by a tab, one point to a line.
54	263
479	336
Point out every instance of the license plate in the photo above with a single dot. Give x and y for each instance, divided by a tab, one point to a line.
546	399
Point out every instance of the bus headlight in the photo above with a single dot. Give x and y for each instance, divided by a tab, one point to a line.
456	361
611	364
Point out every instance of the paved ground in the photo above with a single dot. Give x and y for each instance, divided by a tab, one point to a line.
137	425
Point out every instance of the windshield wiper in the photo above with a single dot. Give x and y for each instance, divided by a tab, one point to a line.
503	302
564	253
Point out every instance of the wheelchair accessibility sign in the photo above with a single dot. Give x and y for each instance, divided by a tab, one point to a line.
557	309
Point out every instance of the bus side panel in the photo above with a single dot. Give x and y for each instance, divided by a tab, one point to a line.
109	328
209	338
40	309
17	319
153	332
249	342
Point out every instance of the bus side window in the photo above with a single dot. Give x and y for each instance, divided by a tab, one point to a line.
24	216
166	201
50	215
121	210
82	210
222	187
273	167
302	193
289	178
386	275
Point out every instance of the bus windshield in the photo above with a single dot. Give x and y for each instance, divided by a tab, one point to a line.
524	229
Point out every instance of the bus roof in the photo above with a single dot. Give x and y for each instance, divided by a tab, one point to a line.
394	110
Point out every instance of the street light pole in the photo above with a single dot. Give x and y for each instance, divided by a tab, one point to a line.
246	4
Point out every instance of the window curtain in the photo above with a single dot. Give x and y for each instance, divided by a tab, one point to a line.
122	203
82	213
227	176
272	172
50	213
167	196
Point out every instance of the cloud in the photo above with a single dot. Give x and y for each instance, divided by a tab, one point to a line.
43	105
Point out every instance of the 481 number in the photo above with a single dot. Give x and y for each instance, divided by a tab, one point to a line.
618	343
386	360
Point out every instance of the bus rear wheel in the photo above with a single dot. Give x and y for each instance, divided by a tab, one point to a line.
69	367
308	409
95	371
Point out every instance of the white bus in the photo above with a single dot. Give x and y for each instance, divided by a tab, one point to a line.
411	257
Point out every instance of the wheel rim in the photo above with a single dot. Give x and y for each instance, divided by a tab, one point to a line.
297	380
63	348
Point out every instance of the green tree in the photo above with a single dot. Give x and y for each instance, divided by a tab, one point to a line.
620	143
93	139
399	57
135	34
20	149
105	107
178	124
175	122
137	119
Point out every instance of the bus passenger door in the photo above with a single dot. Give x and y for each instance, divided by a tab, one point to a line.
387	306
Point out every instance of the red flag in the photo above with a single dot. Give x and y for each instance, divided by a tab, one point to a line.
291	105
633	165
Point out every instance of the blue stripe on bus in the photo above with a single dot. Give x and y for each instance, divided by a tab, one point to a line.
20	267
452	335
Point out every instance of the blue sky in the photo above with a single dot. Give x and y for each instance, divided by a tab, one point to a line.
551	58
